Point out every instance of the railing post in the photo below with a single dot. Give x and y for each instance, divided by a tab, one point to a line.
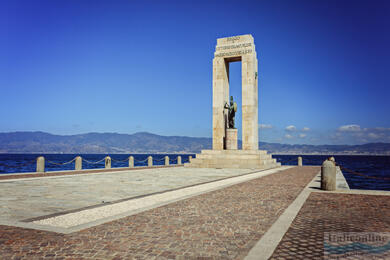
78	163
131	161
179	160
328	176
40	164
332	159
166	160
150	161
107	162
299	161
189	158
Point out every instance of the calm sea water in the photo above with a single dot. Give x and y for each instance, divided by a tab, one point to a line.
374	166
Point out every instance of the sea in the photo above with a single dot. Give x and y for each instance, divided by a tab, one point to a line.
360	171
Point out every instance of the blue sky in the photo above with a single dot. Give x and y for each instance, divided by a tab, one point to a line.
74	66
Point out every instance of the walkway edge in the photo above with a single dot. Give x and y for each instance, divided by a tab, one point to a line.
267	244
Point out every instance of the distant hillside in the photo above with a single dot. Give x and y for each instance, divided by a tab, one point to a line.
40	142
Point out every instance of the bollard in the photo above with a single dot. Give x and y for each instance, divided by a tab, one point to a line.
166	160
78	163
40	164
189	158
328	176
150	161
299	161
179	160
332	160
131	161
107	162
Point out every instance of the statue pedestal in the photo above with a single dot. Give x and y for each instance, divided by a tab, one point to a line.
231	139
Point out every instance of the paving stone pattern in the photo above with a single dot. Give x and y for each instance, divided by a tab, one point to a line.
332	212
221	224
35	197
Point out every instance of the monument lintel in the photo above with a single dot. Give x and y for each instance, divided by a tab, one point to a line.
235	47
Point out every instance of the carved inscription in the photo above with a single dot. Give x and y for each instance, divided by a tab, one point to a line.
233	53
228	47
233	39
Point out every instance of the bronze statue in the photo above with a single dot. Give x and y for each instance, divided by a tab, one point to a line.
232	109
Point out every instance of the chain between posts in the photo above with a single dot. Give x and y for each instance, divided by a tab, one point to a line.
295	159
51	162
361	174
141	161
17	166
93	162
120	161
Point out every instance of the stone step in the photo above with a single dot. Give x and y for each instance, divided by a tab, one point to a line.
234	152
235	156
235	160
227	163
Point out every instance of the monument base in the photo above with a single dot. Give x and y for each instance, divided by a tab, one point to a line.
231	139
239	159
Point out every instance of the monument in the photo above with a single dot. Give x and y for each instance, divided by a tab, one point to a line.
224	153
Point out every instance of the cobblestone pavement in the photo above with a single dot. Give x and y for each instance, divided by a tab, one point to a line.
332	212
221	224
35	197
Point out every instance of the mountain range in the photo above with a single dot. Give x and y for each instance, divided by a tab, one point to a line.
143	142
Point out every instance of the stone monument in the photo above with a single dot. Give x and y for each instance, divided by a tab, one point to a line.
225	153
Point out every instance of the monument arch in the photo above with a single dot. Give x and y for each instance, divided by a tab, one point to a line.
224	153
232	49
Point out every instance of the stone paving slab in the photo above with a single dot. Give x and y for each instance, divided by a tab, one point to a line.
332	212
22	199
81	219
24	175
221	224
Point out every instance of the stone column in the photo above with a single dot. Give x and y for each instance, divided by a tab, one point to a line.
78	163
250	127
189	158
150	161
299	161
131	161
179	160
166	160
220	97
328	176
107	162
41	164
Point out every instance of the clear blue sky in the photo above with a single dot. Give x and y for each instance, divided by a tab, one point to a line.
74	66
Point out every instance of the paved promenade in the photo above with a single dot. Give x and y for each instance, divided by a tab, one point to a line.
33	197
219	214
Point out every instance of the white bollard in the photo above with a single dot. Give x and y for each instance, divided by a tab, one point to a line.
150	161
107	162
78	163
332	159
41	164
179	160
299	161
131	161
328	176
166	160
